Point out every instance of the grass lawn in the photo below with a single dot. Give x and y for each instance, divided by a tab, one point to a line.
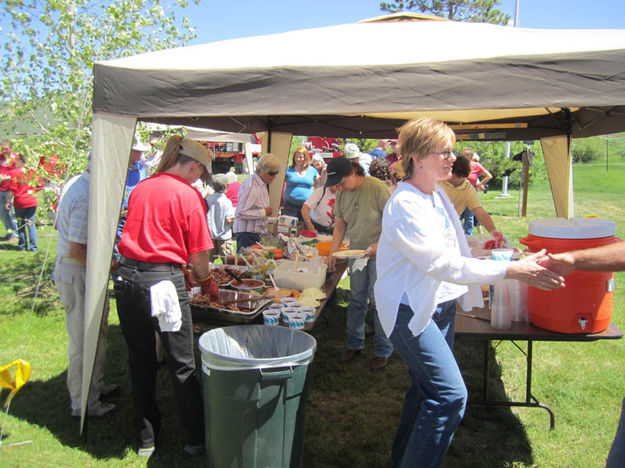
351	413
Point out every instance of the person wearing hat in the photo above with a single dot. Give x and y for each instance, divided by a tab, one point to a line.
250	218
358	212
352	152
220	217
165	228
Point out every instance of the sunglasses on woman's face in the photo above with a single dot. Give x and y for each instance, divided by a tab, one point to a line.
273	173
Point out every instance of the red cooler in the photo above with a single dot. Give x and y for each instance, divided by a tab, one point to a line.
584	305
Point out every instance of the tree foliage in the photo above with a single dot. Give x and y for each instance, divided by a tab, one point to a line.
49	50
477	11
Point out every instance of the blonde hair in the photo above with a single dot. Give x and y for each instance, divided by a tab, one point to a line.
171	154
303	151
419	138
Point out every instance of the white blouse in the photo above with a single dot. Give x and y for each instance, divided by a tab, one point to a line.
418	259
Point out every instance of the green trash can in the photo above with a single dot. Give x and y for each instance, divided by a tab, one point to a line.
255	380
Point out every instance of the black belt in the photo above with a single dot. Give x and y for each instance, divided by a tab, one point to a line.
145	266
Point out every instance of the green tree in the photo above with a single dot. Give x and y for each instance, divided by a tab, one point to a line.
477	11
49	50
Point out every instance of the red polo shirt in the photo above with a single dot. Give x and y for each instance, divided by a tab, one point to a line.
166	221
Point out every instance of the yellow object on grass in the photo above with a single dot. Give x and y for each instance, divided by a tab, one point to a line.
22	374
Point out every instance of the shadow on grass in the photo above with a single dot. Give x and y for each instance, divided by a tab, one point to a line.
46	404
352	413
489	436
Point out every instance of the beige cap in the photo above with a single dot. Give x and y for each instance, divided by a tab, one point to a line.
193	149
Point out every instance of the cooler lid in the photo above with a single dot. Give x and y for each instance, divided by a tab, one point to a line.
574	228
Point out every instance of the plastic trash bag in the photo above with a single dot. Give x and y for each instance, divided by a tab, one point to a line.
256	346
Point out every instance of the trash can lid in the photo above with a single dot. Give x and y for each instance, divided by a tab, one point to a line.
574	228
257	346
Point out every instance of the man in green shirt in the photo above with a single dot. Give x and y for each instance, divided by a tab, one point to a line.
358	212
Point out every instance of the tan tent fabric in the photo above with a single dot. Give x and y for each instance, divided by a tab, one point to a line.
557	152
112	139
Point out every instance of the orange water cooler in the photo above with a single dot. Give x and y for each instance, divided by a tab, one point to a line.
584	305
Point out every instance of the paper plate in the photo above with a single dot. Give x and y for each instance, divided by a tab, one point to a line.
350	253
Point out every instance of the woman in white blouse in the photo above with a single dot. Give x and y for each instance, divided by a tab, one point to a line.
424	266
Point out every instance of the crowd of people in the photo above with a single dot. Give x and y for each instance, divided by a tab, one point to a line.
402	204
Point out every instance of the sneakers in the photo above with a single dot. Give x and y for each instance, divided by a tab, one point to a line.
146	452
97	411
194	450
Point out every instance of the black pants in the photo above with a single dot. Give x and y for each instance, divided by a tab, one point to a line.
134	310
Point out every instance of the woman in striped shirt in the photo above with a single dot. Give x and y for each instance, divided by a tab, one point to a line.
250	217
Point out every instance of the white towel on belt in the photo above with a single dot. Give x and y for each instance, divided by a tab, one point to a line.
165	306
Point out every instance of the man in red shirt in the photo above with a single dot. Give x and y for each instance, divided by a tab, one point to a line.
7	163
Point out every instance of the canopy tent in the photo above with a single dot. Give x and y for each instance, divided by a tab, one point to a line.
355	80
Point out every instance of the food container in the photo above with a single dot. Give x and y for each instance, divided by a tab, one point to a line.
310	314
287	312
271	317
309	274
584	305
241	312
249	285
323	247
297	320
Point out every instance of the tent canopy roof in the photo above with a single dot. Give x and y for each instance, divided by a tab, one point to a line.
347	80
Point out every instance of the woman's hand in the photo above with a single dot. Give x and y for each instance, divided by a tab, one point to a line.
530	272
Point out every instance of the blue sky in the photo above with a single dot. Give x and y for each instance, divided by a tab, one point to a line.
218	19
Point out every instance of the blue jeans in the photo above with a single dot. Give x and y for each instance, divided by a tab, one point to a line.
361	288
466	218
7	215
434	405
616	457
26	222
246	239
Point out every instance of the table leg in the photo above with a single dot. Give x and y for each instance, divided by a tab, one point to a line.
530	400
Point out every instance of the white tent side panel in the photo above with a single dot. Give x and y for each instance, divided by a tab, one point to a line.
112	139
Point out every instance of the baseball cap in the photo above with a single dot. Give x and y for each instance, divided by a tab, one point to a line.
337	169
140	146
351	151
194	150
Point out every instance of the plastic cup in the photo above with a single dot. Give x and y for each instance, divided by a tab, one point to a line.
296	305
502	254
287	312
287	301
310	313
271	317
297	320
